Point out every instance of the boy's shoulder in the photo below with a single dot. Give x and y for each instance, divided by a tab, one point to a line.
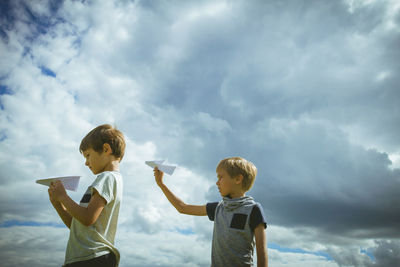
108	185
108	175
258	204
108	179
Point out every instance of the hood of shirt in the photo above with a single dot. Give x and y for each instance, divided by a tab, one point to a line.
231	204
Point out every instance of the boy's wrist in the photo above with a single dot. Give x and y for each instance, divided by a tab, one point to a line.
55	202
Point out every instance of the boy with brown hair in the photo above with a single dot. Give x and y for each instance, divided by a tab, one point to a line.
238	219
93	222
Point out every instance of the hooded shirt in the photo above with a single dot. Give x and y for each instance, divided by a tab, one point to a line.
233	236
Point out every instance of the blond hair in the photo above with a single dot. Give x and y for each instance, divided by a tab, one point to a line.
101	135
235	166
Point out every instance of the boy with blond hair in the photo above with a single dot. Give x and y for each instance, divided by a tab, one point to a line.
239	221
93	223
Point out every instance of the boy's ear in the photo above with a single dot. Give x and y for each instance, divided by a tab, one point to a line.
107	148
239	179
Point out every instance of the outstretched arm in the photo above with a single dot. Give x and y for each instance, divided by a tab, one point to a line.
86	216
179	205
261	246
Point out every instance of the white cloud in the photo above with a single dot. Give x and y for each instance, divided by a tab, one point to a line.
208	10
281	259
166	248
382	76
31	246
395	158
212	124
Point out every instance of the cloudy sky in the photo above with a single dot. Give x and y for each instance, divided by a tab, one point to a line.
307	90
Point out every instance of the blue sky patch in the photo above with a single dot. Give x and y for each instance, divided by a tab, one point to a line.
47	71
299	250
14	223
369	253
187	231
8	19
5	90
3	136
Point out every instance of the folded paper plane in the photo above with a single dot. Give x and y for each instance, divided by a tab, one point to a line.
168	169
69	182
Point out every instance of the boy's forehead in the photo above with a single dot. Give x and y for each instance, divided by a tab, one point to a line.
221	171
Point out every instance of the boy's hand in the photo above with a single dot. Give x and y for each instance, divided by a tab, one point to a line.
56	191
159	176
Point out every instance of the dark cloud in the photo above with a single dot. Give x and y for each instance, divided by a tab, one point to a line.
315	178
387	253
268	75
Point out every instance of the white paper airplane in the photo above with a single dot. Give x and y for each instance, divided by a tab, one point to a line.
69	182
168	169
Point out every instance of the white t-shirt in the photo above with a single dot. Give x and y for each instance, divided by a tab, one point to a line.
88	242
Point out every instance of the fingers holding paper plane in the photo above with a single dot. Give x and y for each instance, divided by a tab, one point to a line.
56	191
168	169
158	175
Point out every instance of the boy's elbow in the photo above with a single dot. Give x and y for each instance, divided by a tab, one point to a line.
181	208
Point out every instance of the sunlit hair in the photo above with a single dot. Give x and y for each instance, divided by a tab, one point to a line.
235	166
101	135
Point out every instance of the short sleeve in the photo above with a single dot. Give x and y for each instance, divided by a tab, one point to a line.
257	216
104	185
210	207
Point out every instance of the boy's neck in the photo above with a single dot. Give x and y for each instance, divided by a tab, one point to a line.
113	165
238	194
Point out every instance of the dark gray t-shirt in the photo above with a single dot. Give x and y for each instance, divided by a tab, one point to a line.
233	236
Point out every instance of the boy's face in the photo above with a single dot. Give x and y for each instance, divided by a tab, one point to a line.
95	160
226	184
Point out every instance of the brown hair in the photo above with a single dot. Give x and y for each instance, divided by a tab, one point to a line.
235	166
102	134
